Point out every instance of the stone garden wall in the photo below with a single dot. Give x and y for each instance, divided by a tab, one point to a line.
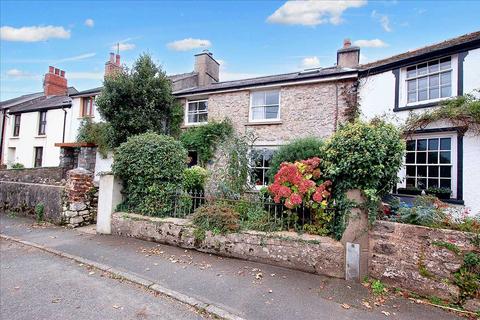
416	258
71	201
315	254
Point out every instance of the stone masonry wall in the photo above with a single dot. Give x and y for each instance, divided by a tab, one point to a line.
81	199
305	110
408	257
315	254
44	175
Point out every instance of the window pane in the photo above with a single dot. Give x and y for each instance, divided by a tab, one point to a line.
421	144
422	83
421	171
202	106
445	63
422	69
422	95
434	80
445	171
258	177
410	183
411	145
412	96
433	171
433	157
445	143
272	97
257	113
203	117
421	157
258	99
412	85
446	92
271	112
445	157
191	118
411	171
446	183
422	183
192	107
433	183
446	78
433	144
434	93
410	157
433	66
411	72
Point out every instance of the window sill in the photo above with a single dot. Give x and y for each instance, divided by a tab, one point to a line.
41	136
85	117
15	137
189	125
262	123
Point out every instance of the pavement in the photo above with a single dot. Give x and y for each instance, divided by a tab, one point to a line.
39	285
235	288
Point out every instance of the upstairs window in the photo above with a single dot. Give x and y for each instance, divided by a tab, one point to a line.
265	106
197	112
16	125
42	123
429	81
88	106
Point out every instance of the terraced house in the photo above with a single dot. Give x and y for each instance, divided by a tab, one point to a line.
314	102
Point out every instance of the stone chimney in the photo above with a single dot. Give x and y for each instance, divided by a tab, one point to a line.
55	83
348	56
207	68
112	66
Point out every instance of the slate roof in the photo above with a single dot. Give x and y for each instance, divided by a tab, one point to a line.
273	79
87	92
470	39
26	97
40	102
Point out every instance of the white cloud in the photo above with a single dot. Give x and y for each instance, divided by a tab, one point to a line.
85	75
310	62
123	45
188	44
312	12
79	57
229	76
19	74
374	43
383	19
89	23
33	34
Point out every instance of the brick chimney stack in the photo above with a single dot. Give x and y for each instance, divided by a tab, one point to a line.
112	66
55	83
348	56
208	69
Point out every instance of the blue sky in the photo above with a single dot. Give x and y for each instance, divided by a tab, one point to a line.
250	38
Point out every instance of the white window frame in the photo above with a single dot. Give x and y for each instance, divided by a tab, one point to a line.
187	102
453	157
252	165
250	111
403	92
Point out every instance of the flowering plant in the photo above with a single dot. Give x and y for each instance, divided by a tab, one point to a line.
301	182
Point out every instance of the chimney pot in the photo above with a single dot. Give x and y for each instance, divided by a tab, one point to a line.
347	43
51	69
117	60
112	57
57	71
62	73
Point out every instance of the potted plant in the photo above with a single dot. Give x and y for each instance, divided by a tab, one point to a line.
410	191
440	193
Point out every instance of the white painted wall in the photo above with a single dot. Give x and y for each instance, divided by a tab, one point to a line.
377	98
103	165
28	138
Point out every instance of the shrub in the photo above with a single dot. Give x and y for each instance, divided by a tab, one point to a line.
254	217
204	139
17	165
40	212
194	178
426	211
365	156
217	217
99	133
296	150
151	166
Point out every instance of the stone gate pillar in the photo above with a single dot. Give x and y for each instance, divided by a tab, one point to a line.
80	205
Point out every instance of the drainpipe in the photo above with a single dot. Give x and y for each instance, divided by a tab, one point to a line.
336	106
4	121
64	123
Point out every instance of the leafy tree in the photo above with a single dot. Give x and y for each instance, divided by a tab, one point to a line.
139	100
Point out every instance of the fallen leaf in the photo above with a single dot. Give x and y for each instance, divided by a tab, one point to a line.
116	306
345	306
270	291
56	300
366	305
91	272
16	288
258	276
386	313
